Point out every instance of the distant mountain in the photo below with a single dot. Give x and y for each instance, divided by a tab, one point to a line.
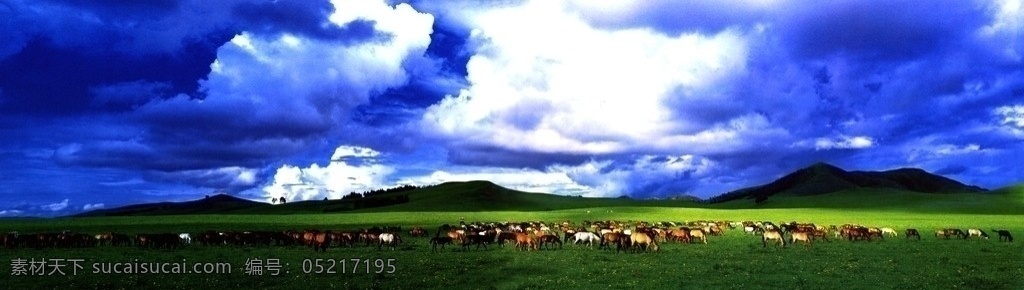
210	205
822	178
449	196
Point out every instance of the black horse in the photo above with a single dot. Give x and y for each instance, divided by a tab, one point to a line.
1004	234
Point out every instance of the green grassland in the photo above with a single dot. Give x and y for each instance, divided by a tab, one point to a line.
732	261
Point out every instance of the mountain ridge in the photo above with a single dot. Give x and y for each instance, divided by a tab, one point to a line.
816	179
821	178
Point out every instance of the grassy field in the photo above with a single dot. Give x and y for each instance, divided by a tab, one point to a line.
733	261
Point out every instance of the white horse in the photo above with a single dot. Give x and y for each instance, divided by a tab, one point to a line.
586	237
977	232
389	239
186	239
749	230
889	231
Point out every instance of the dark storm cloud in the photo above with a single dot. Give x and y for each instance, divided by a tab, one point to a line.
499	157
45	79
887	31
120	82
676	17
307	18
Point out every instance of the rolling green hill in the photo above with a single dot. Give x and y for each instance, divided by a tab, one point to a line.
214	204
451	196
463	197
822	178
818	186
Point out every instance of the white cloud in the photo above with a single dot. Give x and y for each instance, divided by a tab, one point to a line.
94	206
275	71
10	212
1011	115
556	84
353	151
949	149
596	178
843	142
56	206
1006	27
931	149
1012	119
335	180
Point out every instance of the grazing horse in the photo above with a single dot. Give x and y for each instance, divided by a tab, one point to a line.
388	239
620	240
104	238
457	235
505	236
889	231
478	240
186	239
1004	234
586	237
800	236
417	232
819	234
698	234
435	241
772	235
913	233
643	242
680	235
547	240
875	232
976	232
526	242
320	241
751	229
951	232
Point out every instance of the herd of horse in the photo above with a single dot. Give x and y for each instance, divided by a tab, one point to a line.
620	236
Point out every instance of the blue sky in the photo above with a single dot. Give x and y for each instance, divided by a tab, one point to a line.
107	103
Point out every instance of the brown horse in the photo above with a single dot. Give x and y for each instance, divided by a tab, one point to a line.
698	234
442	241
476	239
526	242
642	241
772	235
859	233
505	237
417	231
679	235
913	233
620	240
945	233
800	236
321	241
549	240
104	238
819	234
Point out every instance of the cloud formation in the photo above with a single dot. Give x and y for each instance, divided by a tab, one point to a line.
111	103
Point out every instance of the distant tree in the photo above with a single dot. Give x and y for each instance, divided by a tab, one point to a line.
353	195
325	198
760	199
273	201
282	200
